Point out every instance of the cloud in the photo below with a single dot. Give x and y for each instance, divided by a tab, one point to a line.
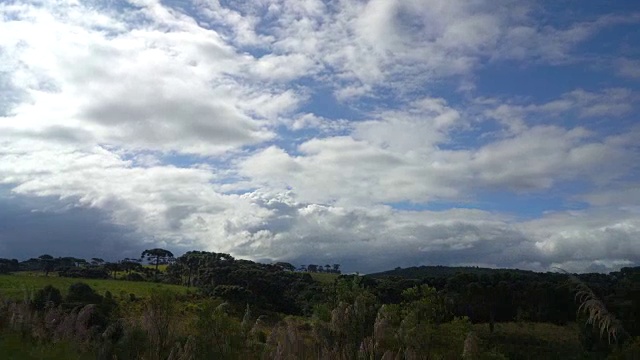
407	156
374	238
609	108
407	45
61	230
311	132
179	208
628	68
164	84
587	236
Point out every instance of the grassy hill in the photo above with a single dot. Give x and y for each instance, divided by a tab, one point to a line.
324	278
17	285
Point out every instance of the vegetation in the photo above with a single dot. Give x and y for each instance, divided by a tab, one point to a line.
205	305
14	287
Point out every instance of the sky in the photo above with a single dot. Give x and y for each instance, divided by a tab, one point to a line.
374	134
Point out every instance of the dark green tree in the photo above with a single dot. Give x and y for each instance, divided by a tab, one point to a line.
157	256
285	266
48	263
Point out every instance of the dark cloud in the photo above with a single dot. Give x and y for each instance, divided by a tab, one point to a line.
31	226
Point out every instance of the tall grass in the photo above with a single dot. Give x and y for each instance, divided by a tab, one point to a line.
596	311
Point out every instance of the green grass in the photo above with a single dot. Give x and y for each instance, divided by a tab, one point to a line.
532	340
17	285
14	347
161	268
325	278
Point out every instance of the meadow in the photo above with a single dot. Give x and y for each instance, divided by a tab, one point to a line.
324	278
20	284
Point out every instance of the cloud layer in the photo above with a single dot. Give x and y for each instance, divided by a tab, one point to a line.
364	133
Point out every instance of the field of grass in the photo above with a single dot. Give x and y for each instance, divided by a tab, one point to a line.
161	268
532	340
17	285
325	278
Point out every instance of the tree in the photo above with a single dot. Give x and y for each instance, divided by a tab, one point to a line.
113	268
7	266
130	265
157	256
47	296
187	265
285	266
336	268
48	263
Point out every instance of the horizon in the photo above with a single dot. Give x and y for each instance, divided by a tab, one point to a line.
303	267
374	134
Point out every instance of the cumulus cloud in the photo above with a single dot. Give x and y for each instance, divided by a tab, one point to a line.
160	83
195	126
403	156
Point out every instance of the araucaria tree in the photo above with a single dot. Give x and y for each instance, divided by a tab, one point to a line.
157	256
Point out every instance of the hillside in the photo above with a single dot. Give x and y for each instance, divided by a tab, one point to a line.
421	272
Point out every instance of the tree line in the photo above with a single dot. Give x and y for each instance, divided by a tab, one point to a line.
412	302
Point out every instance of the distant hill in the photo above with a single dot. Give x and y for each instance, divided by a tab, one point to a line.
421	272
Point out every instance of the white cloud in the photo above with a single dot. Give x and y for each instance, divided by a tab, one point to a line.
407	156
179	207
606	105
95	101
167	85
406	45
628	68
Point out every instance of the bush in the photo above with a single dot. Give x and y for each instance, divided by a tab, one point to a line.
159	320
83	294
4	269
48	296
84	273
219	336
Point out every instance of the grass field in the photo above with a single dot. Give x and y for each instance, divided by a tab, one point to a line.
532	340
161	268
325	278
17	285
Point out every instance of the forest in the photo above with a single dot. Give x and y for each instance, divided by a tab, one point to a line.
207	305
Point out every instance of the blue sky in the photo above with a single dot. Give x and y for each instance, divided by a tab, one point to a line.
375	134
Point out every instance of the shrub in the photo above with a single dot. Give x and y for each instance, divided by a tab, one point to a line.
219	336
83	294
84	273
159	320
48	296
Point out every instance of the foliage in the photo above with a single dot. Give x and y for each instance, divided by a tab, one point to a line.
241	281
48	296
525	340
159	320
273	312
218	335
157	257
84	273
9	265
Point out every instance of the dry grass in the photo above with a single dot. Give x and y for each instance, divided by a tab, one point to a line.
595	309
